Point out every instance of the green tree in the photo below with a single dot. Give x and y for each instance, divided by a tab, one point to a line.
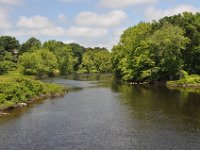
102	61
64	55
8	53
30	45
190	23
145	53
88	62
131	57
78	52
41	62
166	45
9	44
97	60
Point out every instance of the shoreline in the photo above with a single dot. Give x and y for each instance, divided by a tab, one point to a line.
168	84
196	85
31	100
20	91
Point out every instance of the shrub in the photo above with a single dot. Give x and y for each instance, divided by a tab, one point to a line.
17	90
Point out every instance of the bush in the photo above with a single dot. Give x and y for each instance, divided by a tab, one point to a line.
6	66
17	90
191	80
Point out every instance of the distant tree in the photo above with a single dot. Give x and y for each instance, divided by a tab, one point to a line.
40	62
30	45
65	56
96	61
78	52
8	53
9	44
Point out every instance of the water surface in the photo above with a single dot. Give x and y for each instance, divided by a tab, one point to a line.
102	114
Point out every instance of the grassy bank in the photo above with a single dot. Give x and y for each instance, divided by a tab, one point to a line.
188	81
16	89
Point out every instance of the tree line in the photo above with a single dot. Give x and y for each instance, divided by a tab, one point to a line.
51	57
162	50
167	49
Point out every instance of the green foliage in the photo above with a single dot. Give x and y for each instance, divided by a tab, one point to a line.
78	52
96	61
41	62
147	52
131	58
6	66
7	63
65	57
191	24
192	80
8	56
88	62
30	45
165	47
17	90
9	44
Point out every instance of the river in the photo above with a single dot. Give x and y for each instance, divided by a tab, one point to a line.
99	113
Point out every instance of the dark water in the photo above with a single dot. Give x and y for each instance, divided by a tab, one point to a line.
102	114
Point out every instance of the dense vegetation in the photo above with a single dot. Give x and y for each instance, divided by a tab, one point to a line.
162	50
157	51
51	58
43	60
193	80
20	90
168	49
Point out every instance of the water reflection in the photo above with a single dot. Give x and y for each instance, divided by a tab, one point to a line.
153	102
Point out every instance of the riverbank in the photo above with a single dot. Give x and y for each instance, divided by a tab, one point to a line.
19	91
188	81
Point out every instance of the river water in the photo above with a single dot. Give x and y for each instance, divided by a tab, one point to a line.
99	113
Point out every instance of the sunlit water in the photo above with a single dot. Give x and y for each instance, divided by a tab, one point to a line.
102	114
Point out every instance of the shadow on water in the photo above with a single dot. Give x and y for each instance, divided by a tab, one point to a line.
152	102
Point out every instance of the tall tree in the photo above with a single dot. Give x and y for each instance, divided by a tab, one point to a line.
30	45
40	62
190	23
64	55
9	44
78	52
166	45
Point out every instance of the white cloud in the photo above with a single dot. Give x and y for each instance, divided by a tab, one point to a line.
70	41
118	32
55	31
152	13
36	26
62	18
11	2
4	19
20	33
124	3
34	22
87	32
110	19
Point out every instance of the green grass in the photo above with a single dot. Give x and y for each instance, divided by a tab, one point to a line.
16	88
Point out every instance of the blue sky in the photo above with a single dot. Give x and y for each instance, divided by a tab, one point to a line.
88	22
